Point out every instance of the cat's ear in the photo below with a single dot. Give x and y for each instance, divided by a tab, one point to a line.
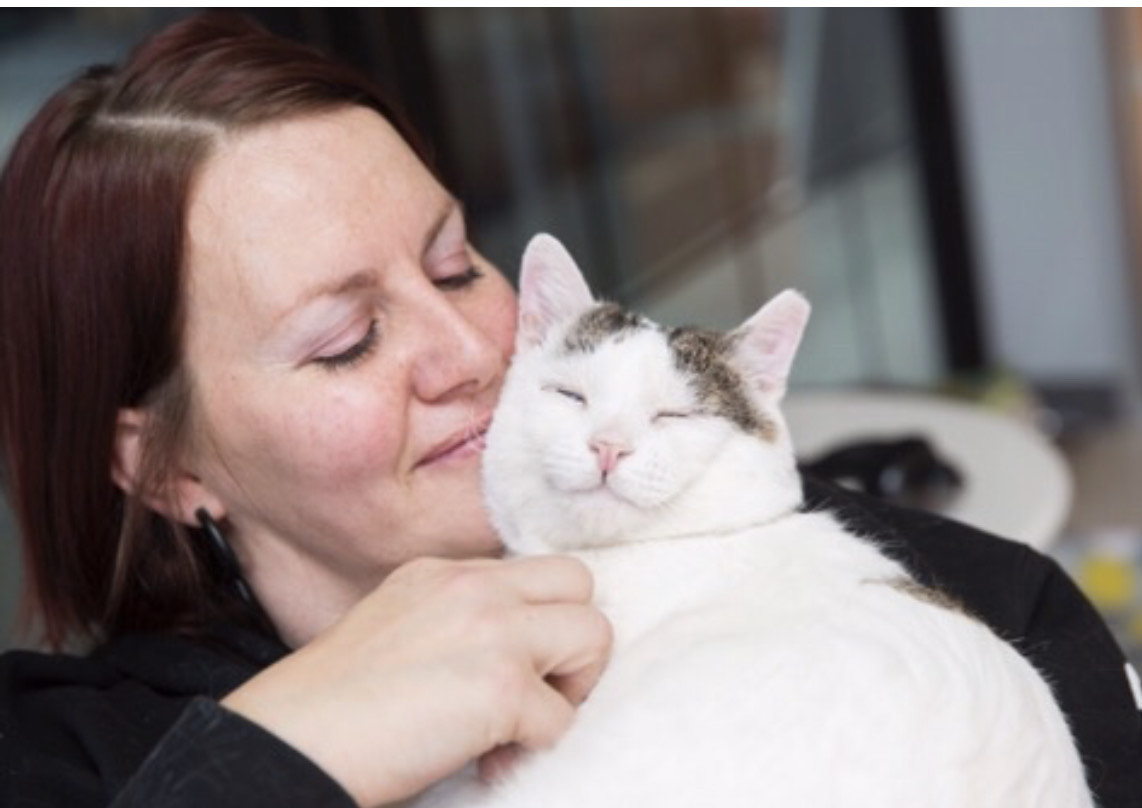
551	289
767	342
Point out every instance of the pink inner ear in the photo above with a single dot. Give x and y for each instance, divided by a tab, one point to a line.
530	329
771	340
552	289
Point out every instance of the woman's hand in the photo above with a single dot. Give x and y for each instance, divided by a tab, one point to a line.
444	662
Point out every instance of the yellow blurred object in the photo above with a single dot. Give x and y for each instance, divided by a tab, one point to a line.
999	390
1110	582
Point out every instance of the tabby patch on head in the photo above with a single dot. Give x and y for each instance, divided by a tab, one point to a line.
705	357
603	322
730	373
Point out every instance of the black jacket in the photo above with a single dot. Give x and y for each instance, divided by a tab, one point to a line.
137	722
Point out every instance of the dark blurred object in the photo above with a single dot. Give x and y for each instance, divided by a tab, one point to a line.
904	471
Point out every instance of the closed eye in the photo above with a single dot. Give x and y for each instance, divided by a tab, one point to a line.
354	353
459	281
668	414
567	393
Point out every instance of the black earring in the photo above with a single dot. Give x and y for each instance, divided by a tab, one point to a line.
226	559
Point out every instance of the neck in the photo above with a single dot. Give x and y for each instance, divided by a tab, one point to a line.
301	595
640	584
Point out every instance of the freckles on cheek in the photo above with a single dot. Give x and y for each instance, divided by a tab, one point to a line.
507	331
340	444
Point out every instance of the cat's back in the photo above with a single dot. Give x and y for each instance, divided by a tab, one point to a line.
814	673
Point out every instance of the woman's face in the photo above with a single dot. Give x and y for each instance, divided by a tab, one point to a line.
346	347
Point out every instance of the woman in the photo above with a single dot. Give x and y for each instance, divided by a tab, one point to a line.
229	281
247	357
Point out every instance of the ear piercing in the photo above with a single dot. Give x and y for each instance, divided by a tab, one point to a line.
228	562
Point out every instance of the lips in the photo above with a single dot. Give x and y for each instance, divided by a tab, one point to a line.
461	443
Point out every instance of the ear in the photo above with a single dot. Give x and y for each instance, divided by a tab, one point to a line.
176	497
551	289
767	341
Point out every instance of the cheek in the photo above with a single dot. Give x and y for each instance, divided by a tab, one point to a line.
697	443
552	436
497	314
347	439
551	421
325	442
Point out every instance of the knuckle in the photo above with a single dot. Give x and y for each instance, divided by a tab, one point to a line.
445	580
602	632
581	574
464	584
416	570
484	626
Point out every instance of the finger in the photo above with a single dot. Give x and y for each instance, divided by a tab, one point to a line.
547	579
577	686
576	678
569	643
496	765
544	716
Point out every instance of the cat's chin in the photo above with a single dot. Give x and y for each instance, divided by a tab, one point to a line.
611	496
585	521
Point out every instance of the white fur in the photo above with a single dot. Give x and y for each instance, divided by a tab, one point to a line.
763	657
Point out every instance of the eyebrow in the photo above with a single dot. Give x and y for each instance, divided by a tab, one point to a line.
363	279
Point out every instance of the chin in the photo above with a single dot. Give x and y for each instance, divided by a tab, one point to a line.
489	546
481	542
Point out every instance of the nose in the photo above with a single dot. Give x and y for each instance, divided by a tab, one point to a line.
458	354
608	453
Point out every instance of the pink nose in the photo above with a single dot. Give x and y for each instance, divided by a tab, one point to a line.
608	454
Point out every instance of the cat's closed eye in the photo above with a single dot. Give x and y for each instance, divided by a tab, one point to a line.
668	414
568	393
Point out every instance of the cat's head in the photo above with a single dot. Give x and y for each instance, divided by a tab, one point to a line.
612	428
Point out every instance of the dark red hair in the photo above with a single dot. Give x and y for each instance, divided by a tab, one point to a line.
92	218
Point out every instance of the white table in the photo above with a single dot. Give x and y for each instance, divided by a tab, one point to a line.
1015	482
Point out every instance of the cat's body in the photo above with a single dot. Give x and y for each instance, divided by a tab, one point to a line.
763	656
825	690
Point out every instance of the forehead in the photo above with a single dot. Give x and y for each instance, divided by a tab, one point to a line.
647	361
604	323
278	207
621	353
692	352
636	370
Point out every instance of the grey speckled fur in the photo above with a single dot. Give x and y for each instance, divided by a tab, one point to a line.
602	322
704	356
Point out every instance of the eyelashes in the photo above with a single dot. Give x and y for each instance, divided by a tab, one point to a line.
581	400
461	280
354	353
358	352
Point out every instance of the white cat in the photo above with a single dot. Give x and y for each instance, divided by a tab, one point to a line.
763	656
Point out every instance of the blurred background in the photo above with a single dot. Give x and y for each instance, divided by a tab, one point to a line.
956	191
